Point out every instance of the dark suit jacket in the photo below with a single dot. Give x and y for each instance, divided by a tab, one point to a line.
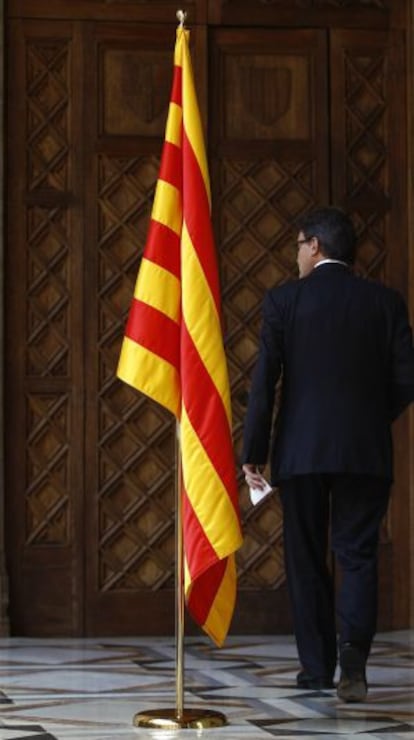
344	349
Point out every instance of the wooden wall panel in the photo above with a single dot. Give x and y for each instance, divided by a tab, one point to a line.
156	11
368	157
304	13
130	520
289	124
269	163
44	299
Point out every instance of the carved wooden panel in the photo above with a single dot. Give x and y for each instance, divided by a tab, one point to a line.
135	90
90	462
43	331
48	231
381	4
126	11
364	131
136	437
270	102
267	96
367	108
136	519
48	287
48	292
307	13
47	471
130	522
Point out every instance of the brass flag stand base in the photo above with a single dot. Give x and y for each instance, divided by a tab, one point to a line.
167	719
179	718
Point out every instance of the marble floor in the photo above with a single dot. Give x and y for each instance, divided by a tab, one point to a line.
90	689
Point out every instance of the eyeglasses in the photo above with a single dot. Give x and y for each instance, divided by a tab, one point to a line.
299	242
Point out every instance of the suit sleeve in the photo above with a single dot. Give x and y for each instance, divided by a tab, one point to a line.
258	422
402	372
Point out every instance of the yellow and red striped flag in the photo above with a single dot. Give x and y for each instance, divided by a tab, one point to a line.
173	352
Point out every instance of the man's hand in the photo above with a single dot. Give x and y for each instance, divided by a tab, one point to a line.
253	476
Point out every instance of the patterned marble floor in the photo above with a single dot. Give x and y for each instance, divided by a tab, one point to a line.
88	689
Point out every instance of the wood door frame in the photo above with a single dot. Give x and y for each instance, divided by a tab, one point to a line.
4	601
410	217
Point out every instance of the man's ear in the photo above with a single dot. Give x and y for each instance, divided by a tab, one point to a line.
314	246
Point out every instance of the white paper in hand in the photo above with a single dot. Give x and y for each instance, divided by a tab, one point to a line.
258	494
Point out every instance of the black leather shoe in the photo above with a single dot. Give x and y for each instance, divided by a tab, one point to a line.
317	683
352	685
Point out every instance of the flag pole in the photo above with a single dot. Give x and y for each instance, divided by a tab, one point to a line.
179	718
179	580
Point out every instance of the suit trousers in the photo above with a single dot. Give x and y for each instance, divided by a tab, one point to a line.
344	511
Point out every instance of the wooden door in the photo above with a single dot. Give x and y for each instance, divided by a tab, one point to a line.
369	156
90	463
269	159
130	571
129	519
44	372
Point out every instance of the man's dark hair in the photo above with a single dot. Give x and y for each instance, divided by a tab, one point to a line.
334	230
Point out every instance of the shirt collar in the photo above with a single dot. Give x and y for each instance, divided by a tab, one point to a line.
328	261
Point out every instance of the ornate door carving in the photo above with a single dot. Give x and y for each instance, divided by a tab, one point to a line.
129	522
90	463
269	164
44	298
368	156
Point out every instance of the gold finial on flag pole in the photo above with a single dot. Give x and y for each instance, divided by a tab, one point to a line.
181	16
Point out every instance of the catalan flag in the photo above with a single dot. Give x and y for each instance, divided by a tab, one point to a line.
173	352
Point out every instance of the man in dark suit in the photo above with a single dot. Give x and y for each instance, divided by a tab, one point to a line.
343	348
